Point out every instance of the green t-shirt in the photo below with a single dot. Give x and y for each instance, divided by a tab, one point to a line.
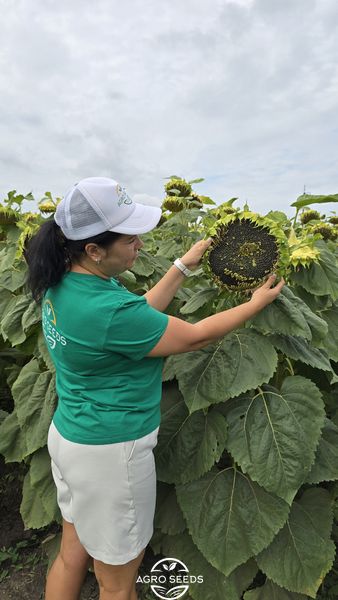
98	335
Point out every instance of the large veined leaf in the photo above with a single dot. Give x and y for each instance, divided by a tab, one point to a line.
320	278
317	325
199	299
274	434
143	265
11	323
234	518
325	467
13	443
31	316
299	349
315	303
13	279
308	199
282	316
242	360
7	254
302	553
42	481
271	591
188	444
41	351
35	399
32	509
215	585
168	514
330	343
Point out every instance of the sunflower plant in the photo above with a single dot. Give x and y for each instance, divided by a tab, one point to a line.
247	453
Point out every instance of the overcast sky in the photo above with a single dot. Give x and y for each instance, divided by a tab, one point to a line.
243	93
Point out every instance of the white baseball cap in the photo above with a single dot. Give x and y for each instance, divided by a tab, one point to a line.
98	204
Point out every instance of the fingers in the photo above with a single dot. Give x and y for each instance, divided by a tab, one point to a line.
280	284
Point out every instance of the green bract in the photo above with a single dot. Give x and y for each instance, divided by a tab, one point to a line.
246	247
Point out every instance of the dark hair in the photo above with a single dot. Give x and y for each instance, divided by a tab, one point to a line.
49	255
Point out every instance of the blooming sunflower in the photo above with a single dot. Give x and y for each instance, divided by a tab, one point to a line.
246	247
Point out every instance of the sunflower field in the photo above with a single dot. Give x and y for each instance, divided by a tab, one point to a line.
247	453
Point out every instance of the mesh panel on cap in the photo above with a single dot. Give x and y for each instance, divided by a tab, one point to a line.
81	213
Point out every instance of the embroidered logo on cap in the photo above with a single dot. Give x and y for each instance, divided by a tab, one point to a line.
123	196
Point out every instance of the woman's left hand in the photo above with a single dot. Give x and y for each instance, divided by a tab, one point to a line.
192	258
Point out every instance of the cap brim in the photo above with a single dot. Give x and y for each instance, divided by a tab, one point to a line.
144	218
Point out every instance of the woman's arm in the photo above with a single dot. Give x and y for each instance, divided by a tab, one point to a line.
163	292
181	336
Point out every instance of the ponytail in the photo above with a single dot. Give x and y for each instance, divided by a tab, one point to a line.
49	255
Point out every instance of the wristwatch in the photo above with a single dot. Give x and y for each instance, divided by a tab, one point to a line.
178	263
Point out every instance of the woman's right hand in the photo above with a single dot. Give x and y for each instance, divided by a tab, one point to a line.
265	294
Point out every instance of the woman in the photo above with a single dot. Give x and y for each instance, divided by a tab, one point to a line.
107	345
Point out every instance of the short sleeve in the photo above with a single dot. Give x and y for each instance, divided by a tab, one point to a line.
134	328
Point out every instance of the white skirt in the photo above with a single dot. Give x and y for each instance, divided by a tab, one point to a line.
108	492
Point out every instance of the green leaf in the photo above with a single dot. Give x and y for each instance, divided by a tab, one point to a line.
224	370
274	434
234	518
199	299
196	180
5	299
188	445
271	591
330	343
299	349
13	444
319	279
35	399
32	509
278	216
316	324
302	553
31	316
325	467
42	481
13	279
143	265
308	199
11	324
168	515
215	585
282	316
41	351
7	254
207	200
315	303
169	248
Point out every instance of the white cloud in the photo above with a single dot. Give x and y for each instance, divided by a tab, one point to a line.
243	93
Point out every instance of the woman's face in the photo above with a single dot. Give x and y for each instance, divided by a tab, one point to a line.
115	259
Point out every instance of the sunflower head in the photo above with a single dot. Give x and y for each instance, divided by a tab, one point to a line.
304	255
334	220
326	231
309	215
174	203
178	187
194	201
245	249
47	207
